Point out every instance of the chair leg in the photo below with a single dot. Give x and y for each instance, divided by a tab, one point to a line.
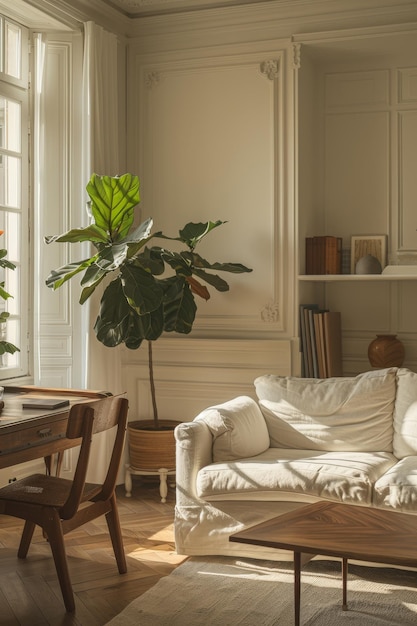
56	541
113	524
27	534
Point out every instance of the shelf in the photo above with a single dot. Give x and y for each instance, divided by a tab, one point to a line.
327	278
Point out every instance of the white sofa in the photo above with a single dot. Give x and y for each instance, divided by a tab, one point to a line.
348	439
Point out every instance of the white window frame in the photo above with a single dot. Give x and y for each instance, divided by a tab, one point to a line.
17	89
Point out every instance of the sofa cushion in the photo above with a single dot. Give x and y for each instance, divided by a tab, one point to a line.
405	414
397	488
343	477
331	414
238	428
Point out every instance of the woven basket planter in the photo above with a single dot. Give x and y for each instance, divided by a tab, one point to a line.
151	449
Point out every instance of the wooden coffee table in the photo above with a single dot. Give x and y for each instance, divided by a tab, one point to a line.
338	530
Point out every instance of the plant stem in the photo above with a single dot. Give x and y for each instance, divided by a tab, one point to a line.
152	384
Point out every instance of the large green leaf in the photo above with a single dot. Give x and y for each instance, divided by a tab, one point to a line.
212	279
140	289
88	291
77	235
5	262
179	306
178	263
113	199
143	231
3	293
151	260
58	277
118	323
92	276
113	320
193	233
6	346
196	260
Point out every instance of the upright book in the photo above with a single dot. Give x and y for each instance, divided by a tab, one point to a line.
332	328
306	337
323	255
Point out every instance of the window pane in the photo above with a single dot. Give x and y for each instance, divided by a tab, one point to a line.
13	288
10	333
10	178
10	125
10	224
12	61
14	194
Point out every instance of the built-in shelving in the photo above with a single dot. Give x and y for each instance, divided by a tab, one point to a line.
327	278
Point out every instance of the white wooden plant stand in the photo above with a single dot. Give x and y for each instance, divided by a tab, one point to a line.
163	473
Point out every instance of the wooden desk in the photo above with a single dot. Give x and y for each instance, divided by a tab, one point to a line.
28	434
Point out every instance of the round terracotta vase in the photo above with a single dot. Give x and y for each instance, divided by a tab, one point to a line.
151	449
386	351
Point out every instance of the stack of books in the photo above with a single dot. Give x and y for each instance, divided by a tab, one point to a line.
321	342
324	255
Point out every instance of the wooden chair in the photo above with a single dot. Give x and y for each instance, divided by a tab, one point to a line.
59	505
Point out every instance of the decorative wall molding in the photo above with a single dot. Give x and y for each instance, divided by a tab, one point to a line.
407	183
191	374
270	69
296	55
194	107
407	85
357	91
270	313
152	79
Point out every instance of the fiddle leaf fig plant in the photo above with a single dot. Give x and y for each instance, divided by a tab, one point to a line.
152	288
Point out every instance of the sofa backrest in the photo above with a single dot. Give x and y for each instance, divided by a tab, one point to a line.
405	414
353	414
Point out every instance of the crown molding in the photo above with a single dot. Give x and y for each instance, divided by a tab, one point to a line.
216	24
289	16
71	14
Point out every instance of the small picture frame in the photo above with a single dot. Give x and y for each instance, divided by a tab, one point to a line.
361	245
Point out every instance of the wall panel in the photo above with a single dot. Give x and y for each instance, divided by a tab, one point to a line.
209	150
407	142
208	140
191	374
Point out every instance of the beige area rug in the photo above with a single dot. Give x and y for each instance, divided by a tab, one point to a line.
226	591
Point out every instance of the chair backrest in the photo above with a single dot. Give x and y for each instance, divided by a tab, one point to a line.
86	419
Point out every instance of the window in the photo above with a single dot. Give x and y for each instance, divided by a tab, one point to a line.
14	192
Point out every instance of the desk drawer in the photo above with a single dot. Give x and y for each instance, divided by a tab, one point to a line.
36	435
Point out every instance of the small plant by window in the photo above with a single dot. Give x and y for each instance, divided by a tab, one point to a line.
5	346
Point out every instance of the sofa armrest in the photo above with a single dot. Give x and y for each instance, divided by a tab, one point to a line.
194	450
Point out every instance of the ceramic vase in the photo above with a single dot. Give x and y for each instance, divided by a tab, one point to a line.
386	351
368	264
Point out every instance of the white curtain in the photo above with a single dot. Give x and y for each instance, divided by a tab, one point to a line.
101	156
38	82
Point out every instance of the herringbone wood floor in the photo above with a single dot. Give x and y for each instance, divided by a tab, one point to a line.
29	590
